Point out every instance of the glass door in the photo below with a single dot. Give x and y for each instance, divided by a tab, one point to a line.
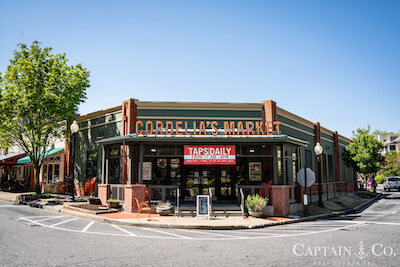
199	181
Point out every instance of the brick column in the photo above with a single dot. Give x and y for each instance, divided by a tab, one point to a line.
336	156
103	191
131	192
280	200
268	113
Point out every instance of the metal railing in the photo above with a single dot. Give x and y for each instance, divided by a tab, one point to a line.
163	192
117	191
242	202
254	189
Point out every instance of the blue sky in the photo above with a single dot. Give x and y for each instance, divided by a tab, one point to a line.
336	62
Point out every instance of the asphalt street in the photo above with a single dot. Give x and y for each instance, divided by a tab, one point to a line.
35	237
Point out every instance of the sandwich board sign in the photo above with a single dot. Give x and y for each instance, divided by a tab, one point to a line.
203	207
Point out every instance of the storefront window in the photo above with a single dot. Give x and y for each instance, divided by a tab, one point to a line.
279	158
114	165
91	164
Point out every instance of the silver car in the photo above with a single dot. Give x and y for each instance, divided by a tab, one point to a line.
391	182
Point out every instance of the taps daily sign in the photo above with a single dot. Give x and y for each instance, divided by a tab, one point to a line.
210	154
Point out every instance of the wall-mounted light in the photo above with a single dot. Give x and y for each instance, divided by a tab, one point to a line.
153	150
251	150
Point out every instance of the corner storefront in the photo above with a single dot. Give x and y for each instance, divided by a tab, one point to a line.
204	147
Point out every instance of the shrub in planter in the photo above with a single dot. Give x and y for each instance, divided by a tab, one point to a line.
113	203
164	208
256	204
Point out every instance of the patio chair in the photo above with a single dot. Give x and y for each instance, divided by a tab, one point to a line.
142	207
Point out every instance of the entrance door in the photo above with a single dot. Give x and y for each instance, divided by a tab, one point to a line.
200	180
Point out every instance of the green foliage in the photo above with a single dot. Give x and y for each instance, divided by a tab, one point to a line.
379	179
256	203
392	167
113	200
377	132
363	153
38	93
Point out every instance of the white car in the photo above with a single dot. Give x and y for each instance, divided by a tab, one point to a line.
391	182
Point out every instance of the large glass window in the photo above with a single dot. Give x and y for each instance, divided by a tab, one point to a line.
114	165
91	164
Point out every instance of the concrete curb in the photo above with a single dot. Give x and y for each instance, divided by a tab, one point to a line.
60	209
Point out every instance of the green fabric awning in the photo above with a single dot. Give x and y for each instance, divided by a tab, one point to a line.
48	153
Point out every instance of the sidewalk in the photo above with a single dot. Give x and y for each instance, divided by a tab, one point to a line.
188	222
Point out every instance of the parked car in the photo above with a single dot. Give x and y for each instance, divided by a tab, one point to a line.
391	182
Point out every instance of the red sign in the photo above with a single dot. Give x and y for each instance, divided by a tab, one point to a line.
210	155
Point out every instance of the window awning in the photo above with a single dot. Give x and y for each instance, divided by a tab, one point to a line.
48	153
204	139
11	158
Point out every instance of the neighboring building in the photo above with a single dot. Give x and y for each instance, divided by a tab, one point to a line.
391	142
16	167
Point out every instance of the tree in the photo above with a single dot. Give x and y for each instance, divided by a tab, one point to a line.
392	167
363	154
39	92
378	132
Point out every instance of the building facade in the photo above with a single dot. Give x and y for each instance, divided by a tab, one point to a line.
204	147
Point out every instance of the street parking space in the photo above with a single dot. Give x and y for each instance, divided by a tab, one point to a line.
84	226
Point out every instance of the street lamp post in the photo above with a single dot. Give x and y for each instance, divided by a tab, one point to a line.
318	152
74	129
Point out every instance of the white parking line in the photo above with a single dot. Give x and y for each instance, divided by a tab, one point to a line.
123	230
50	218
87	226
73	219
207	233
166	233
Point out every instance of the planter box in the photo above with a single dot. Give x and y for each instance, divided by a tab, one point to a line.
164	211
113	205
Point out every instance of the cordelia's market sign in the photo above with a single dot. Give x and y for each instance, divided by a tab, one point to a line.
200	128
209	154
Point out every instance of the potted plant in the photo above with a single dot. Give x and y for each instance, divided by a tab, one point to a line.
113	203
164	208
255	205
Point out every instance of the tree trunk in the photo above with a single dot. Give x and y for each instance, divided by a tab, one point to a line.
37	175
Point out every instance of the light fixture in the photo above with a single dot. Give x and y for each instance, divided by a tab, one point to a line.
251	150
318	149
153	150
74	127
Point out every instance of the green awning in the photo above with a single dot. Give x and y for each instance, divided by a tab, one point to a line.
48	153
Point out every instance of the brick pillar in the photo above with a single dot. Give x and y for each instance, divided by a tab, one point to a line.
129	119
103	191
336	156
268	112
131	192
129	116
280	199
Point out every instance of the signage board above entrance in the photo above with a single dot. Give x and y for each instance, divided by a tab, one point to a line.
209	155
200	128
